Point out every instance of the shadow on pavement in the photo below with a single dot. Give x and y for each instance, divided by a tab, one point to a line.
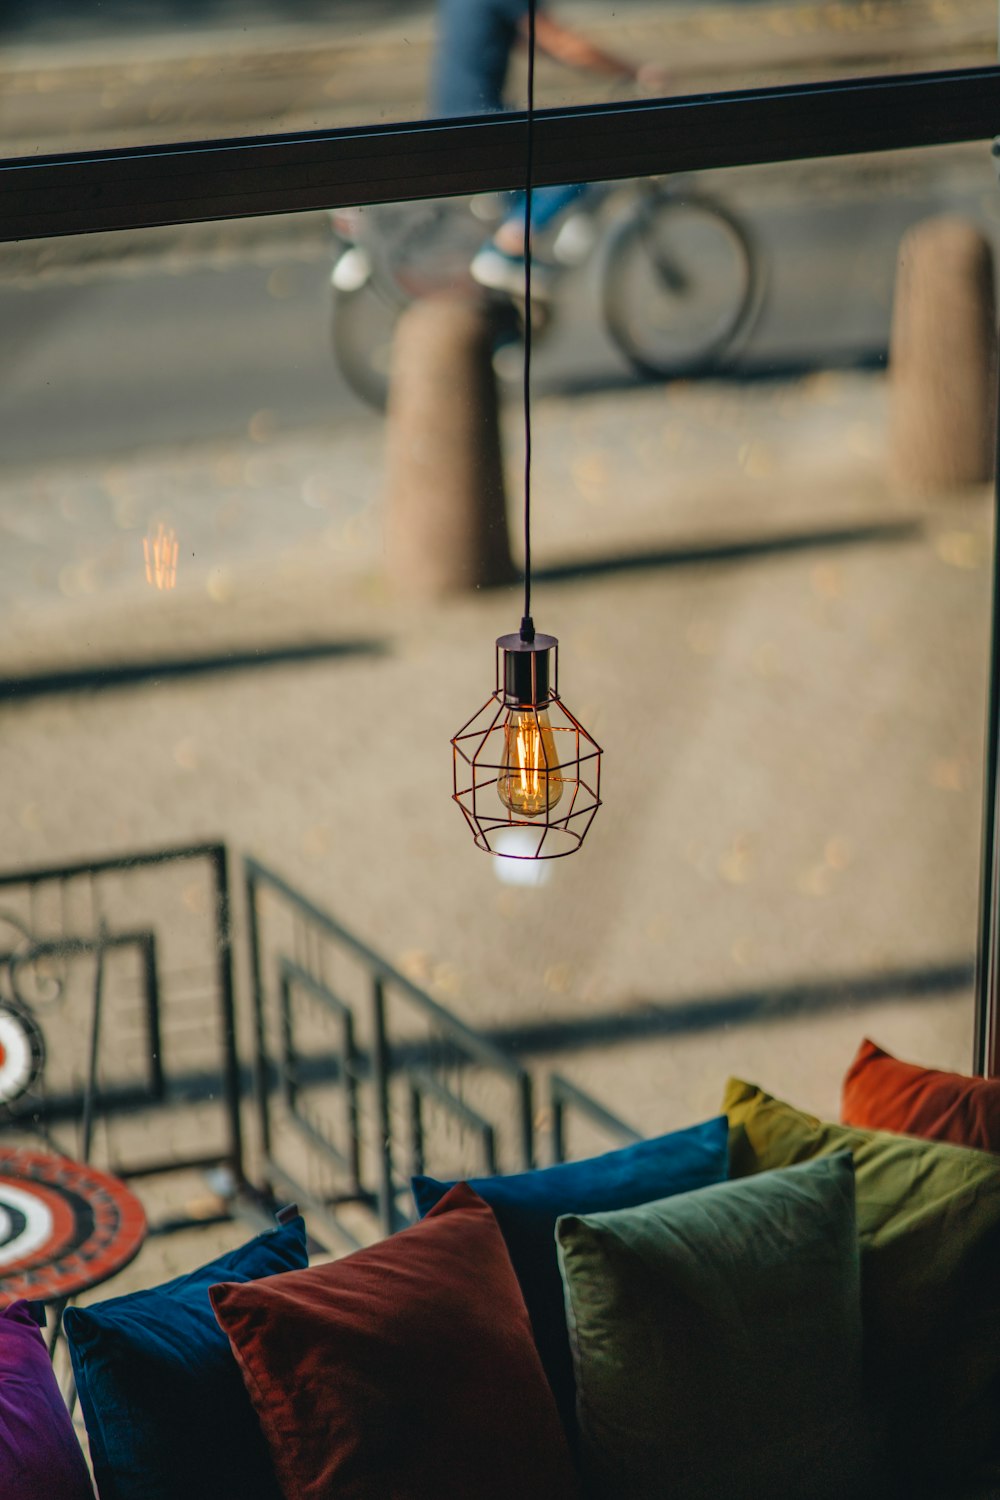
752	369
710	1012
735	550
133	674
610	1028
111	675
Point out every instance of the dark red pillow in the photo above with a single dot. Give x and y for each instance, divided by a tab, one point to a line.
882	1093
405	1370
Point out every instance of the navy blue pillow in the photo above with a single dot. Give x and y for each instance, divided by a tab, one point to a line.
167	1413
527	1205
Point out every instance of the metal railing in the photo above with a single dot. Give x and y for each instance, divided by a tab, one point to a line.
360	1079
120	971
363	1079
567	1102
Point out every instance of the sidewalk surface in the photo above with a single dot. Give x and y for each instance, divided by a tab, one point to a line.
785	665
784	661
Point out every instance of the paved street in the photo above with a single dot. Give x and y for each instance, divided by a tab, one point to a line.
204	339
785	665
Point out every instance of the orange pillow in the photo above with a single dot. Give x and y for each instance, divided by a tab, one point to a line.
882	1093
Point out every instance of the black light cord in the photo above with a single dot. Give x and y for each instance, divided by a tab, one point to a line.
527	626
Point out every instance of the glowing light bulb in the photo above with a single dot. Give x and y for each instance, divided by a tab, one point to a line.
508	776
529	782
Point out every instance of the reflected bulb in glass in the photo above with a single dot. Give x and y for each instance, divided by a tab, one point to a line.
529	782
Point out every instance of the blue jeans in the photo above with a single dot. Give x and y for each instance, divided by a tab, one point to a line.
546	204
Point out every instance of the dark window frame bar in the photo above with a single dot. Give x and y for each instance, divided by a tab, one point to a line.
986	1037
190	182
78	193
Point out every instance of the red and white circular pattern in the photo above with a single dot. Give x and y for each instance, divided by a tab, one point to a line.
22	1053
63	1226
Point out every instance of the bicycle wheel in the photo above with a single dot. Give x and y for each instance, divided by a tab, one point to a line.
680	284
363	326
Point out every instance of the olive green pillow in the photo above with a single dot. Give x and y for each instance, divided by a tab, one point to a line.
929	1226
716	1340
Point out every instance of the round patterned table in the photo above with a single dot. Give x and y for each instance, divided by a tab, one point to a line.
22	1053
64	1226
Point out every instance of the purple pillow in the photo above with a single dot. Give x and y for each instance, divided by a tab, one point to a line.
39	1452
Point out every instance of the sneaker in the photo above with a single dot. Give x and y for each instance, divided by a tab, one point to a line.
501	272
575	239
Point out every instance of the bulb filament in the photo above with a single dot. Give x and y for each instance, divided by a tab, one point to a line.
529	782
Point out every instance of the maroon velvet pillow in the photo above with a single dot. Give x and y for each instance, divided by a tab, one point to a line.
883	1093
406	1370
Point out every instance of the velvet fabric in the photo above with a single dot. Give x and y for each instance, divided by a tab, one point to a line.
166	1412
717	1344
406	1370
39	1453
527	1205
883	1093
929	1229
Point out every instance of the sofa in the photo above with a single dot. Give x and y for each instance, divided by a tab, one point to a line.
761	1304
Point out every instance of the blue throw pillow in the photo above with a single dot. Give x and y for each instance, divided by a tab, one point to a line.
528	1204
167	1413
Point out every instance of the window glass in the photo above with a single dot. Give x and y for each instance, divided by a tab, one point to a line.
773	613
79	77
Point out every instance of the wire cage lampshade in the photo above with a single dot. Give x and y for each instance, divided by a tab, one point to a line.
527	775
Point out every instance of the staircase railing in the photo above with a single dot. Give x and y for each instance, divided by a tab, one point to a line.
566	1101
362	1078
119	972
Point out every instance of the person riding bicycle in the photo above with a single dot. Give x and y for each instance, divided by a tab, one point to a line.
475	40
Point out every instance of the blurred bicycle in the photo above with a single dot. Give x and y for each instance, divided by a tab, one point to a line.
678	282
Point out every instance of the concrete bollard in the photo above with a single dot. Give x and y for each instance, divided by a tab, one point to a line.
942	359
446	523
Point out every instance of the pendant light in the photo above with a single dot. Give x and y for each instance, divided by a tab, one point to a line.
527	775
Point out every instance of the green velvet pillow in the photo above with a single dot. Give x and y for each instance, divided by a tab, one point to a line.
929	1227
716	1341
